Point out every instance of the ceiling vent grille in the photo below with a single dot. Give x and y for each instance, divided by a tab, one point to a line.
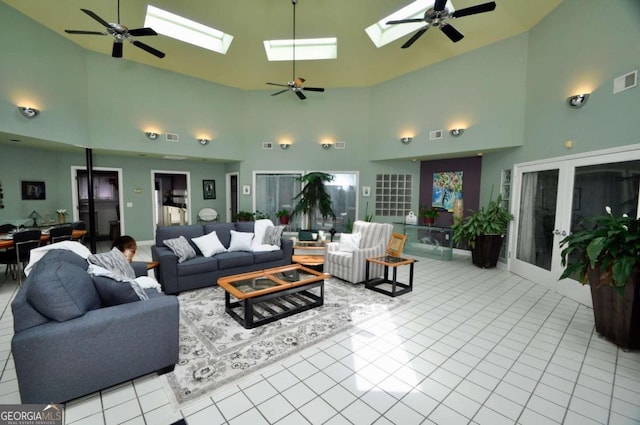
267	145
625	82
173	137
340	145
435	134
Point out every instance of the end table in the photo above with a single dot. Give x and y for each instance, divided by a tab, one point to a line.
388	261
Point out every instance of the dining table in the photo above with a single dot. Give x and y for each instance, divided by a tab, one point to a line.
6	241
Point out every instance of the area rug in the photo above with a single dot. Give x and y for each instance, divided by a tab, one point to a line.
215	350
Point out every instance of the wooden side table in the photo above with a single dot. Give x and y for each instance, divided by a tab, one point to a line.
388	261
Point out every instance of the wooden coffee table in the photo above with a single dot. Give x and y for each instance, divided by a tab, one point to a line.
265	296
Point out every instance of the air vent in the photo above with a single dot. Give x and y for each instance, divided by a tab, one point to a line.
340	145
625	82
173	137
267	145
435	134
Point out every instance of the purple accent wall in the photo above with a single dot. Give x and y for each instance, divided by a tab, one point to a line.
471	168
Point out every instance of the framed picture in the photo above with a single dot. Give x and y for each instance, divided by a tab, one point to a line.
246	189
396	244
366	191
33	190
209	189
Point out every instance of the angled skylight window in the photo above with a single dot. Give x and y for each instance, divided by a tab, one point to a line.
183	29
306	49
381	33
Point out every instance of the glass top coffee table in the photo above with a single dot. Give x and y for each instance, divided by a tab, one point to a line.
267	295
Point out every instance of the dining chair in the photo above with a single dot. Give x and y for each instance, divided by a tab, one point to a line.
6	228
61	233
78	225
18	256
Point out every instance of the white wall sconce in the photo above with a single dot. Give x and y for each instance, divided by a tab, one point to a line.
284	145
326	145
456	132
28	112
406	140
203	141
151	135
578	100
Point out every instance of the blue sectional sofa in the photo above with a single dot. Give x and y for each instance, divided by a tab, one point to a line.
72	338
203	271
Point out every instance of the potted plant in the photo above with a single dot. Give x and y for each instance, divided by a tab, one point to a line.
283	216
484	232
428	214
605	254
243	216
313	197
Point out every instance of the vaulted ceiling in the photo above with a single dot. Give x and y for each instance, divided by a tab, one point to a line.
359	62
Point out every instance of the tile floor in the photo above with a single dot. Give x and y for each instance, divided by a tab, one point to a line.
473	346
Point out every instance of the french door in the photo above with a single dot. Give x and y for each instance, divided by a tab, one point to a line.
553	197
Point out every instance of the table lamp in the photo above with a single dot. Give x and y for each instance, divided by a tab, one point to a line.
34	216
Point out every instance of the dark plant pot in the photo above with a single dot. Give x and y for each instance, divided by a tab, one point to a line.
617	316
486	251
428	221
284	219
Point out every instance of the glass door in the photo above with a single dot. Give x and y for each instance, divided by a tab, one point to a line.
553	198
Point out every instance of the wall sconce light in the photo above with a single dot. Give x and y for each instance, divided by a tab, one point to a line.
28	112
578	100
151	135
456	132
406	140
203	142
326	145
284	145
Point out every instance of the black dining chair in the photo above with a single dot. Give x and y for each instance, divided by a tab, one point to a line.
61	233
6	228
78	225
18	256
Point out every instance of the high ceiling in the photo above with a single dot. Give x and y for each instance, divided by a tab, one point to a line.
245	65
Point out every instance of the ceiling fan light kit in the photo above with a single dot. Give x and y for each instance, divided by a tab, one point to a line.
120	33
438	15
296	83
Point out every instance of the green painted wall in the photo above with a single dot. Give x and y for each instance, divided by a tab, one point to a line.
510	96
580	46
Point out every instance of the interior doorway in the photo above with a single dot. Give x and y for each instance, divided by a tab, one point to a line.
108	211
232	196
171	202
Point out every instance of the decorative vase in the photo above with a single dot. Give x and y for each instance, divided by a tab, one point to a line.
284	219
427	221
60	218
458	208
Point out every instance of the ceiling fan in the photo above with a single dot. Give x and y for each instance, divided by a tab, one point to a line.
295	85
120	33
438	15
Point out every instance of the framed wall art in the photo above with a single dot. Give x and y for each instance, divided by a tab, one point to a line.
32	190
209	189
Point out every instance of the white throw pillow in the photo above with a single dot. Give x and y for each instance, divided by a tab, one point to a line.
259	227
349	242
209	244
240	241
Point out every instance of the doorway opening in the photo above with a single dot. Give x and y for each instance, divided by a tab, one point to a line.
171	204
232	196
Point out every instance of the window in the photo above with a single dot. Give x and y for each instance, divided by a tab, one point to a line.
275	191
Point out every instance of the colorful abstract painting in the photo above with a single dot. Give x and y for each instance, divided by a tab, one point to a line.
447	186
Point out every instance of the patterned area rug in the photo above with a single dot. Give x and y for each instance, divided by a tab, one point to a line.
215	350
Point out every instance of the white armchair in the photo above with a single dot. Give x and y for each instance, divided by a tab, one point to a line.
351	265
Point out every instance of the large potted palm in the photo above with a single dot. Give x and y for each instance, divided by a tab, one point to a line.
484	232
313	197
606	255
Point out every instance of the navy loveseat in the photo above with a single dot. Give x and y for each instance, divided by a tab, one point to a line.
203	271
72	338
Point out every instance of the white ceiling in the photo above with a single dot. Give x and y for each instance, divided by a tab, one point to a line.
359	62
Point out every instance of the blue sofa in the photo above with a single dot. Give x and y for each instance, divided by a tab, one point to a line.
203	271
72	338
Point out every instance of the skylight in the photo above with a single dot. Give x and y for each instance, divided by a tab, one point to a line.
306	49
183	29
382	34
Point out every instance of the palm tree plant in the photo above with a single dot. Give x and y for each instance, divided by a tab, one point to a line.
313	197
